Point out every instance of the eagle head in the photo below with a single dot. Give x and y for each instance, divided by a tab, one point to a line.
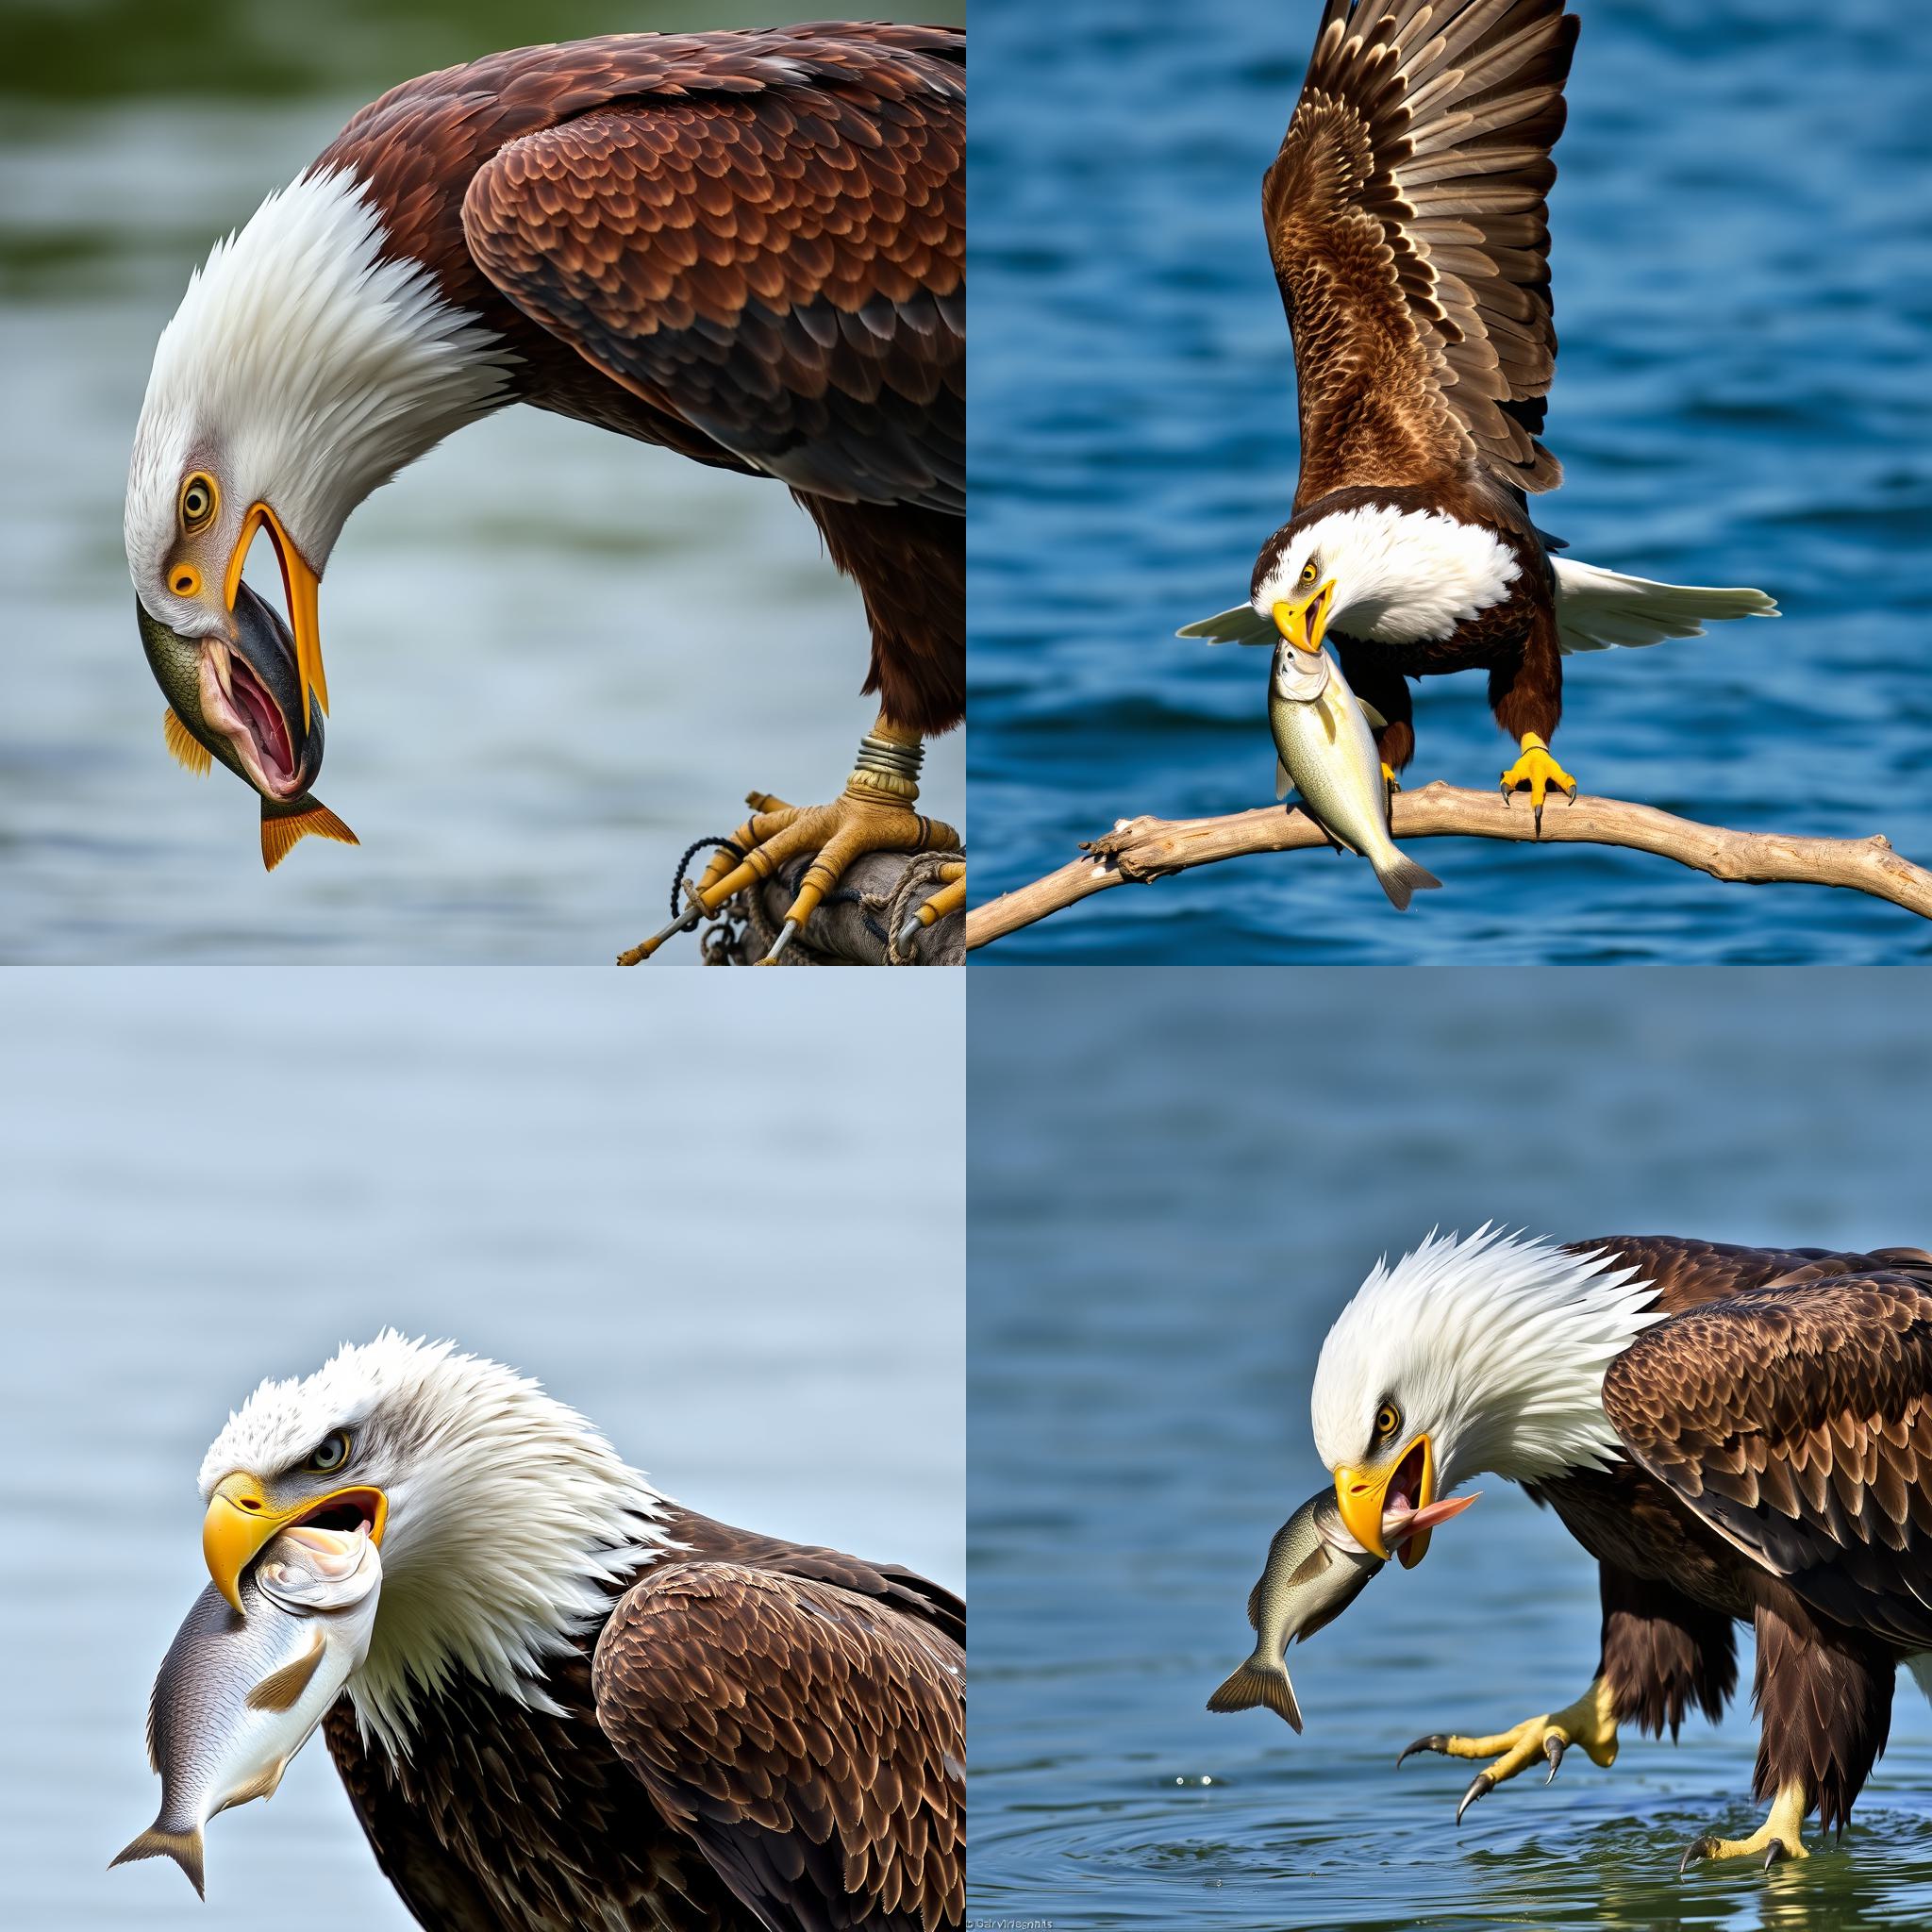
306	365
1469	1355
504	1518
1380	571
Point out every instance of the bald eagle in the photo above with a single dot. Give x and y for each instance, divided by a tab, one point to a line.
584	1705
747	247
1738	1435
1409	237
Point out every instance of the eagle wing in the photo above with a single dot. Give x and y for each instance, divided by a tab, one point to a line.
772	249
1407	221
808	1736
1796	1419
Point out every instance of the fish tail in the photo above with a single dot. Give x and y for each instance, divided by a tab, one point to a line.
184	1847
1403	879
283	826
1253	1684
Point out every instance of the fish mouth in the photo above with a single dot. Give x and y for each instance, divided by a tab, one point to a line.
236	703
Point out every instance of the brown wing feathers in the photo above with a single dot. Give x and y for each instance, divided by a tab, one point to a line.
1407	225
1796	1420
810	1738
770	247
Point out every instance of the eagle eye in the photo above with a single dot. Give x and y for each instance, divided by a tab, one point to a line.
1308	572
329	1454
199	499
1388	1420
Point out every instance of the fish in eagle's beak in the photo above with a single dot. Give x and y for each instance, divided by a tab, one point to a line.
1364	1496
241	1521
240	701
1304	621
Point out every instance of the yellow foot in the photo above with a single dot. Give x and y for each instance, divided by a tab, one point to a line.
875	813
949	898
1539	771
1591	1722
1390	779
1777	1837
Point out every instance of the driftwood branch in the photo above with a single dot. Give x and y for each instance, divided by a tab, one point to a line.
1148	848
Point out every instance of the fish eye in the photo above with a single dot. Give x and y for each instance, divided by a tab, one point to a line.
330	1454
1388	1420
199	498
184	580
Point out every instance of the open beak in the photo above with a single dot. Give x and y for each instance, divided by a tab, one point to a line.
240	1520
1304	622
301	586
1365	1496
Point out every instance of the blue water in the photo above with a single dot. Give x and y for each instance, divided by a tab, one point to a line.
1176	1180
207	1178
1742	263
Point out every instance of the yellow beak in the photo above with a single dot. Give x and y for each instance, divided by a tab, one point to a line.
302	587
240	1520
1304	621
1361	1497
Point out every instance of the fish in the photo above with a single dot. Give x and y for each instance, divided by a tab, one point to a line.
1315	1570
238	1697
240	701
1326	752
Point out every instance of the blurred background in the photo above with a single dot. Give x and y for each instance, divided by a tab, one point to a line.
557	657
1176	1180
214	1178
1742	264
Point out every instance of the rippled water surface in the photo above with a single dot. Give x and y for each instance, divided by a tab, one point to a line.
210	1180
1175	1181
557	655
1744	284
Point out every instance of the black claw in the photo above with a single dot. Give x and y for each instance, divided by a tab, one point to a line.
1553	1750
1434	1742
1537	816
1480	1786
1773	1852
1697	1848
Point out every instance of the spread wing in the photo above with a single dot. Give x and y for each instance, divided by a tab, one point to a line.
772	249
1797	1422
810	1738
1407	222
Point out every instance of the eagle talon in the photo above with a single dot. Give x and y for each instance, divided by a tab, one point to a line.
1480	1786
1537	771
1434	1742
1777	1839
875	813
1554	1747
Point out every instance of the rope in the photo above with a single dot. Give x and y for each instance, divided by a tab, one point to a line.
922	869
690	851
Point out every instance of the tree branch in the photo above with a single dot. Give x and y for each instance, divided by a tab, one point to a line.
1147	848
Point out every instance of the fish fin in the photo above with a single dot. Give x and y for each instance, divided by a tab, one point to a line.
186	748
1310	1567
1254	1684
1327	718
1283	783
282	830
1254	1605
1405	878
1376	721
262	1786
282	1690
1243	624
184	1847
